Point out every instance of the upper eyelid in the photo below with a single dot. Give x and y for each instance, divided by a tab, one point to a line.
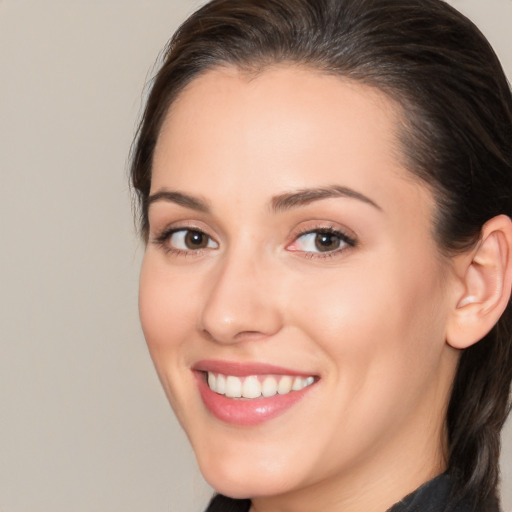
173	227
167	232
209	226
328	227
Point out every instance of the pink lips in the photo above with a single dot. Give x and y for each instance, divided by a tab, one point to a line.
240	411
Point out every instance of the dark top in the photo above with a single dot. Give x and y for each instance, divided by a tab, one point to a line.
434	496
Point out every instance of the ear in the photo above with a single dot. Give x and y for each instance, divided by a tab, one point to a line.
486	276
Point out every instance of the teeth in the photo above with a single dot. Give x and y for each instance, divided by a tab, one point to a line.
221	384
297	384
285	385
251	387
269	387
212	381
255	386
233	387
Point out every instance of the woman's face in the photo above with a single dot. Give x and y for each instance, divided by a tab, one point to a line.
291	260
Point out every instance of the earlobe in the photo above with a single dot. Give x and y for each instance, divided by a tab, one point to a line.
487	279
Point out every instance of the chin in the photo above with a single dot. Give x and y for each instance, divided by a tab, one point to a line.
250	486
247	478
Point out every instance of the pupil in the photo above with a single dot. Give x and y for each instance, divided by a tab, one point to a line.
195	240
326	242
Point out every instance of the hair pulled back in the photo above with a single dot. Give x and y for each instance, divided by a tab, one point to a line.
455	135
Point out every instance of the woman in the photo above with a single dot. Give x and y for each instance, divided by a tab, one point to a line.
325	192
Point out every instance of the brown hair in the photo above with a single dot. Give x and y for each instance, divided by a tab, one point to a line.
456	137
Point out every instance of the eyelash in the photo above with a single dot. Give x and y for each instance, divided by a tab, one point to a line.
328	230
162	240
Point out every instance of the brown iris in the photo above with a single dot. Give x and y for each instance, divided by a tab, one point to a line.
196	240
325	242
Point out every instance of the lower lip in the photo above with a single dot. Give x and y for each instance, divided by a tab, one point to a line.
247	412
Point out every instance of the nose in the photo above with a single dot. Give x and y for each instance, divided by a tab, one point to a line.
239	304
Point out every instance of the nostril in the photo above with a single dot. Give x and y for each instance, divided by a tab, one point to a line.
238	337
207	335
251	335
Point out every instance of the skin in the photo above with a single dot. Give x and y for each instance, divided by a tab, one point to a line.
369	320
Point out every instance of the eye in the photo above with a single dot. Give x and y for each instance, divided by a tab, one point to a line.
322	241
187	240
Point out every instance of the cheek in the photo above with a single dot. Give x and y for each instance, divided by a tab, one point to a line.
384	318
381	335
165	316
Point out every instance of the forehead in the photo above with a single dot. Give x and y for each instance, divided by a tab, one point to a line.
288	127
288	99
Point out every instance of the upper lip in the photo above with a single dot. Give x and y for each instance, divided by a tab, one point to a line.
238	369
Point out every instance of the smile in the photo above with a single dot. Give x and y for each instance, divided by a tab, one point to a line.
252	393
256	386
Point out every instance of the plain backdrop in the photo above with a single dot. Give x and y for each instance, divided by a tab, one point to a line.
84	425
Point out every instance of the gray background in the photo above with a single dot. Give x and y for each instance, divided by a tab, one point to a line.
84	425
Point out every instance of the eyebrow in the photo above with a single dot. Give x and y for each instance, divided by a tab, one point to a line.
305	196
180	199
279	203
